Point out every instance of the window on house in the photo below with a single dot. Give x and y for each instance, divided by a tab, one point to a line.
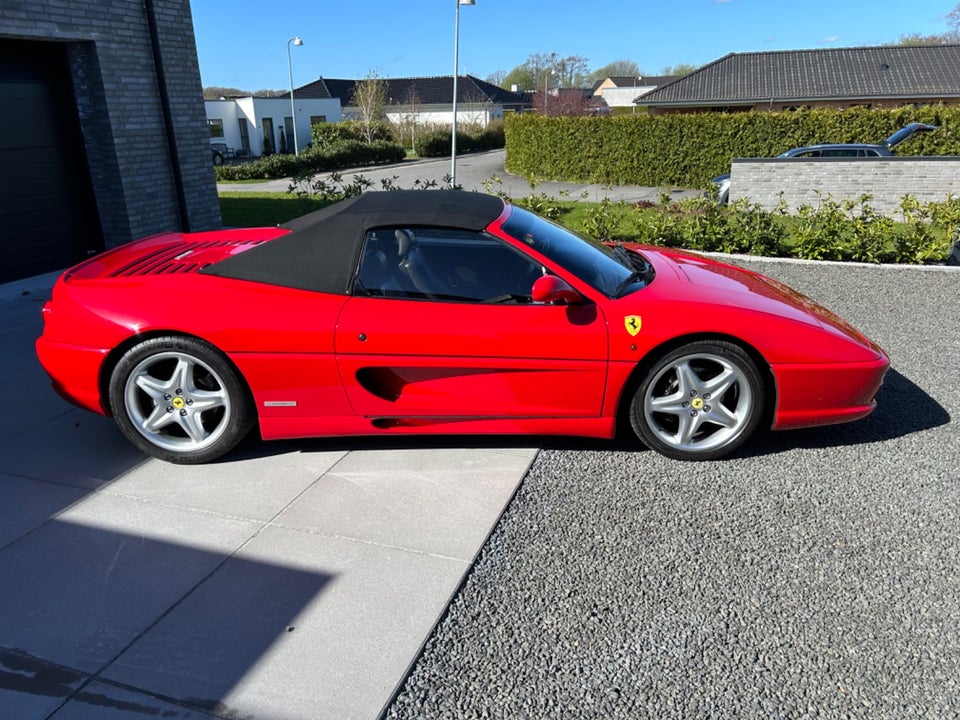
244	135
317	119
216	128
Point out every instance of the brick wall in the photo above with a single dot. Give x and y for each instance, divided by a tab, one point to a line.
886	179
135	157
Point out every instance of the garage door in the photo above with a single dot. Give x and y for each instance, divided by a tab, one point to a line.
48	219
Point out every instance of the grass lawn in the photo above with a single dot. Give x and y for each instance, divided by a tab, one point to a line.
263	209
829	237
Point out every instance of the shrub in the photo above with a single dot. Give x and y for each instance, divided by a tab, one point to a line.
340	154
687	150
435	141
325	135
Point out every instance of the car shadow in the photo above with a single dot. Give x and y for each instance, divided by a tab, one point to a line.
902	408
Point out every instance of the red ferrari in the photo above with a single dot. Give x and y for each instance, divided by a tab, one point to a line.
441	312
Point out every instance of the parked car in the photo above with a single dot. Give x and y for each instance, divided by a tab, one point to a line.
437	312
884	149
217	157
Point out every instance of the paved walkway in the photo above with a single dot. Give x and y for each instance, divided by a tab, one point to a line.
476	172
293	580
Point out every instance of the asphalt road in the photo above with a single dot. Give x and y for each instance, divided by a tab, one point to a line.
815	575
478	171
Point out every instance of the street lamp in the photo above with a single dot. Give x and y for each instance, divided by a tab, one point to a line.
546	79
456	70
293	111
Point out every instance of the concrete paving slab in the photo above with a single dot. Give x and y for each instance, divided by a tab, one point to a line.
296	625
102	701
250	487
27	403
172	577
79	589
74	448
31	689
27	504
441	501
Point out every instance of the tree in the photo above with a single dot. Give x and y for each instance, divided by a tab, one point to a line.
949	37
215	92
370	98
549	68
681	69
567	102
519	76
617	68
572	71
497	77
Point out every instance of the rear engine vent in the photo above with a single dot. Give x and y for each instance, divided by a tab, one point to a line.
184	257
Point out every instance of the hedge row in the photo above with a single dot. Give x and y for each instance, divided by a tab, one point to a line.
339	154
436	142
686	150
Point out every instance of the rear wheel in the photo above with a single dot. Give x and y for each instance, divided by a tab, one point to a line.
180	400
699	402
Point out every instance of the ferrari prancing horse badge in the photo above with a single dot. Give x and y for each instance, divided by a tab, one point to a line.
632	323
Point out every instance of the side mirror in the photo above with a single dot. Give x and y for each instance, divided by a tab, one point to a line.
551	289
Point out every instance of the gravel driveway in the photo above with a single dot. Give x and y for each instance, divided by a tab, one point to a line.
816	575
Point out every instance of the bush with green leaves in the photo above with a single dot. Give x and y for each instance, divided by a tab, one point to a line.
339	155
686	150
436	141
325	135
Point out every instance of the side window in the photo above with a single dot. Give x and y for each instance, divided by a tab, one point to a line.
840	152
444	265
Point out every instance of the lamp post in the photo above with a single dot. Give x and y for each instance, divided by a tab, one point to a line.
456	70
293	111
546	79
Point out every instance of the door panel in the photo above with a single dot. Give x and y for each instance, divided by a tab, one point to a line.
439	359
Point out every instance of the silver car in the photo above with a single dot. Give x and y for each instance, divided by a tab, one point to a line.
884	149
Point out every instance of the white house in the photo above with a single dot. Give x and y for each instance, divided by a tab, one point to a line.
251	126
622	91
426	100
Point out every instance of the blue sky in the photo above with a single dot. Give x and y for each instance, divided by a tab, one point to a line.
243	44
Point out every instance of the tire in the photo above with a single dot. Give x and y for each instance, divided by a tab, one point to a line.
180	400
699	402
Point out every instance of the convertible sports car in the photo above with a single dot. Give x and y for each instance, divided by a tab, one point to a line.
441	312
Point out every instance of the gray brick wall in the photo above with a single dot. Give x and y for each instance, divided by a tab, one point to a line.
133	164
804	182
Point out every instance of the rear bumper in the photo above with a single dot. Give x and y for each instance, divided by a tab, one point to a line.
826	394
74	371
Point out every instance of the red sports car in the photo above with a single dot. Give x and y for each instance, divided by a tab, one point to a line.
441	312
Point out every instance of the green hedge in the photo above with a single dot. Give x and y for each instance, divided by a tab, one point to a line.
687	150
436	142
340	154
326	135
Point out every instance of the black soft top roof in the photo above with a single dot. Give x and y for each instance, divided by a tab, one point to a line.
322	249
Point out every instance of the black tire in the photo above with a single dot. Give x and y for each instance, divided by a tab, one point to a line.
180	400
699	402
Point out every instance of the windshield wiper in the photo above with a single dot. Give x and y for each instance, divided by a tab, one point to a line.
634	276
640	269
625	256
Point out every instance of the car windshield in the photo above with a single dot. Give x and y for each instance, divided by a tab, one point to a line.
613	271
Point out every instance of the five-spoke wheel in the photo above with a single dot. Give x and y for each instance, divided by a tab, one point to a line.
179	399
699	402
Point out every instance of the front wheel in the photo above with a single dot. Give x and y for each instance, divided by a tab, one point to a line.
699	402
180	400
